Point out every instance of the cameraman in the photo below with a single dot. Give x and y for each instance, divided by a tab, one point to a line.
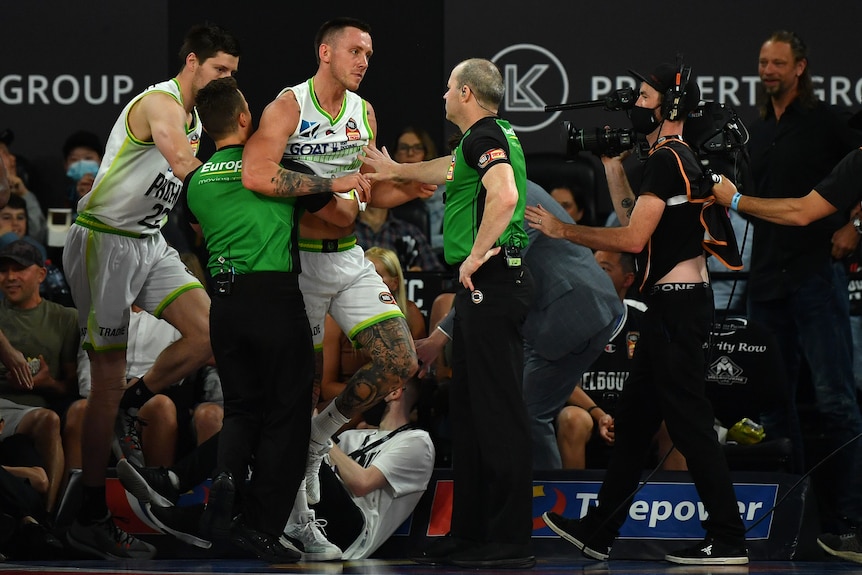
666	218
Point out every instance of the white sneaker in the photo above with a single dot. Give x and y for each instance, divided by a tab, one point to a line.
312	468
311	538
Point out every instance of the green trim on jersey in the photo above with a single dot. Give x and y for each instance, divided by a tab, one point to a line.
320	108
92	223
336	119
365	120
373	321
174	295
465	195
313	245
252	232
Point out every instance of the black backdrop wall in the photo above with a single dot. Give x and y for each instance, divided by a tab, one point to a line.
67	66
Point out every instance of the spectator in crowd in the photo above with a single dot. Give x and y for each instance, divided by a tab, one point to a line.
14	223
416	145
14	226
839	191
381	227
82	152
404	229
557	348
36	221
588	418
371	482
373	479
11	358
5	186
792	287
575	201
46	334
24	532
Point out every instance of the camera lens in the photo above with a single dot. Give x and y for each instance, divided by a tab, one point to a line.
599	141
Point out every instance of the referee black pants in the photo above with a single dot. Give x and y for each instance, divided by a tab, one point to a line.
491	445
262	346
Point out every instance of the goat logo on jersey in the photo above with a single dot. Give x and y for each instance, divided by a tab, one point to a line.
308	129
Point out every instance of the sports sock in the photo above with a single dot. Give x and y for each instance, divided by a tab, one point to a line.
325	424
300	506
93	504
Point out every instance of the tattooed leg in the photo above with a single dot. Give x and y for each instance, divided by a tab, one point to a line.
393	360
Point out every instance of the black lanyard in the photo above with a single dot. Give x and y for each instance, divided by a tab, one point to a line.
366	448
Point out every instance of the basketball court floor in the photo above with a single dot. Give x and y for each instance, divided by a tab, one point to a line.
544	566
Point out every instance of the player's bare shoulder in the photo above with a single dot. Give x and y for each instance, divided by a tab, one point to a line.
155	108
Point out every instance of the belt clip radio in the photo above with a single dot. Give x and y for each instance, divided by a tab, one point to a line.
224	279
512	256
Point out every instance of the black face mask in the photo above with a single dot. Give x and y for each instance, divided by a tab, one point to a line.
643	119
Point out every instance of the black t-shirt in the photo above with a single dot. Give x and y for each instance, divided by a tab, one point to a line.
672	172
788	158
605	378
745	374
843	186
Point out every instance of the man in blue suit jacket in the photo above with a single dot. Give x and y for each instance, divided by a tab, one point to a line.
573	314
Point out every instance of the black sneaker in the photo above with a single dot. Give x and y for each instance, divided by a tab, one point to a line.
181	522
441	550
217	518
33	541
104	539
148	484
127	439
495	555
847	546
593	543
263	545
710	552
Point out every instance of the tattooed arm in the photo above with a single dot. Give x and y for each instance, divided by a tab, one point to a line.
622	197
261	171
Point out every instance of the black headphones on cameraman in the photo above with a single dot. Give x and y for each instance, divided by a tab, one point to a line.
673	101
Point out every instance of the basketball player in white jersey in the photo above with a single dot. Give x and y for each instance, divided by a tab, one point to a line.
115	256
319	127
